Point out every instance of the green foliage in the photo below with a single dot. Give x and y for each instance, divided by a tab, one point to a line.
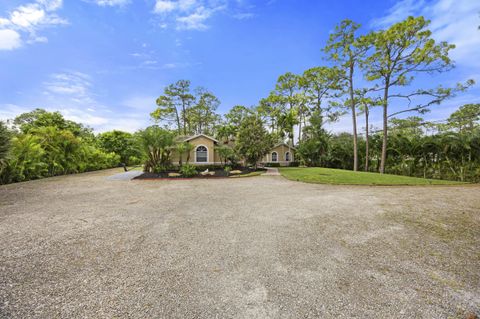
41	150
314	146
225	153
182	149
157	144
228	169
40	118
253	140
26	161
399	54
189	113
294	164
188	170
5	144
121	143
466	118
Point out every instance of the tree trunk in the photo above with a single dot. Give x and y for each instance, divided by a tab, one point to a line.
184	115
299	130
178	121
354	120
366	138
385	127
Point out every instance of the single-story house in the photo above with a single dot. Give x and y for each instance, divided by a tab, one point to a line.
281	153
204	152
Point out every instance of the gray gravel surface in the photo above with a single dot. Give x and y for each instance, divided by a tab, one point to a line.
125	176
82	246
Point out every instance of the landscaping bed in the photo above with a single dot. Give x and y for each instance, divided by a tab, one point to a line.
212	173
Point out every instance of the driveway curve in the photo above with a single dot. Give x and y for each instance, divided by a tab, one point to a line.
261	247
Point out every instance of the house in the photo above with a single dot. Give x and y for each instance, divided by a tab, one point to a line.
281	153
204	152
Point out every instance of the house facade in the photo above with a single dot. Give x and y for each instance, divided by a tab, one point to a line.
282	154
204	152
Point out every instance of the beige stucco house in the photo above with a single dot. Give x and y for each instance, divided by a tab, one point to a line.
204	152
280	153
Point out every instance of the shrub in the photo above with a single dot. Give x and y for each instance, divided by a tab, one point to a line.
227	169
294	164
188	170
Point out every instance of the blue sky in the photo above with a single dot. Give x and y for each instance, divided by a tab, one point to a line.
104	62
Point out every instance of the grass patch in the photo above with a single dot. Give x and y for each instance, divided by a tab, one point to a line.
322	175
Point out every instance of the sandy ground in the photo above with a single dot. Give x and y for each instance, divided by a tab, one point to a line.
83	246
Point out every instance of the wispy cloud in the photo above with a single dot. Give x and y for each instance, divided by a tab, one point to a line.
23	24
453	21
244	16
195	14
72	86
109	3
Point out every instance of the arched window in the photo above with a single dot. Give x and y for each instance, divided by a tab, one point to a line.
287	156
201	154
274	157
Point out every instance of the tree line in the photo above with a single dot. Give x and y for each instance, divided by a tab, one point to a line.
362	74
42	144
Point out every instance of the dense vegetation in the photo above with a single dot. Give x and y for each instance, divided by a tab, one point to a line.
364	73
42	144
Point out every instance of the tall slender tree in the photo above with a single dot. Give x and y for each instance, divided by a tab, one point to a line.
401	52
346	52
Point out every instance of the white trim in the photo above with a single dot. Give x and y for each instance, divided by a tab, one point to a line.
284	144
272	156
199	135
196	147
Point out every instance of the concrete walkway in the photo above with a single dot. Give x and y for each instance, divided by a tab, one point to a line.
271	171
124	176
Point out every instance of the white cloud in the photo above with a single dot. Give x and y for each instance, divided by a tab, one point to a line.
110	3
9	39
26	21
187	14
72	88
453	21
195	20
162	6
72	94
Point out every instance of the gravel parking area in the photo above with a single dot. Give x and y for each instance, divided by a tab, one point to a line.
83	246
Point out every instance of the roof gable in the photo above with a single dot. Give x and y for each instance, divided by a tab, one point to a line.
200	135
285	144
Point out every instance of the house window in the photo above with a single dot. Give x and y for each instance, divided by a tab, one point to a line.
274	157
287	156
201	154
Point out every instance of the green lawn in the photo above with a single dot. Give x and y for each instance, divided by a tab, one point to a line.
338	176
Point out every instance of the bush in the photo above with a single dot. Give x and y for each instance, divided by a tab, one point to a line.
227	169
294	164
272	165
188	170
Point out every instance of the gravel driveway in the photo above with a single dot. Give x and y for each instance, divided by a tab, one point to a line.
83	246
